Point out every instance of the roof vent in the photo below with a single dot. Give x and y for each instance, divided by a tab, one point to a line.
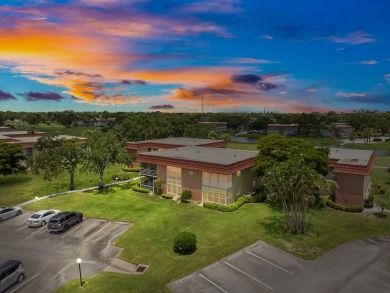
235	155
177	149
198	151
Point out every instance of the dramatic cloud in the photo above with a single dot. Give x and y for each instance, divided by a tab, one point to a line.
246	78
130	82
371	99
6	96
161	107
354	38
46	96
69	72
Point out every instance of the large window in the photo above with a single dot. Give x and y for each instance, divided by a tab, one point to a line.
173	180
217	188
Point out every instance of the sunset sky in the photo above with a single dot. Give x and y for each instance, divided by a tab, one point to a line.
165	55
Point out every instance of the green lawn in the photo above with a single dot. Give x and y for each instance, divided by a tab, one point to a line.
16	189
156	221
384	145
241	146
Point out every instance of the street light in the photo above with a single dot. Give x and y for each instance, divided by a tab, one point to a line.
79	262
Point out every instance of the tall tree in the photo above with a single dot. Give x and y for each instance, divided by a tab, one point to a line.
274	148
12	159
56	156
352	137
103	150
296	186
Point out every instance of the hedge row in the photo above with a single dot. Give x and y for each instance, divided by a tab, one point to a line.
140	189
350	209
167	196
121	177
234	206
127	169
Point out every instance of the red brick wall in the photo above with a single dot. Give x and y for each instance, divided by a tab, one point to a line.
192	182
351	189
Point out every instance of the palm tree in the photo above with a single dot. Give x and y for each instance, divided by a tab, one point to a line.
352	137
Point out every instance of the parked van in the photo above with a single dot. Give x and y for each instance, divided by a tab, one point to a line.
11	272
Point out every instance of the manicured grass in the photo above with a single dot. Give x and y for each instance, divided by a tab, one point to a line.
156	222
241	146
16	189
319	140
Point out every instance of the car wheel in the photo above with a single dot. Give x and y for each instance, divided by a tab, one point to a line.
66	227
18	213
43	223
20	278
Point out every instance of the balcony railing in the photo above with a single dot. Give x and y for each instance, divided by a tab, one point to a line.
149	172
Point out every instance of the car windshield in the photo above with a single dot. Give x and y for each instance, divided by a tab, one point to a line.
54	221
36	216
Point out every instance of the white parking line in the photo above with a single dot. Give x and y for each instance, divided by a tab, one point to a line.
97	232
253	278
43	231
79	226
213	283
13	220
24	283
283	269
22	228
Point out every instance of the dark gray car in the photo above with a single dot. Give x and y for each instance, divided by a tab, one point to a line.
63	221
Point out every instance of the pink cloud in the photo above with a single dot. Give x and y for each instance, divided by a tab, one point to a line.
355	38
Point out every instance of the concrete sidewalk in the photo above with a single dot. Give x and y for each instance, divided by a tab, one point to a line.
72	191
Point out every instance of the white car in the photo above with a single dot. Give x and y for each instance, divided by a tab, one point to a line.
6	213
41	218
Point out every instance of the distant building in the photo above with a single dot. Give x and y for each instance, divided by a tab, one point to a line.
5	129
283	129
341	130
221	126
212	174
28	140
352	169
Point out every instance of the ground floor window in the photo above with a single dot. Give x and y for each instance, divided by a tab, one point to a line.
173	181
217	195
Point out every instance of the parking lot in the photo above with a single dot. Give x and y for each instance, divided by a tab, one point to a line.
49	258
358	266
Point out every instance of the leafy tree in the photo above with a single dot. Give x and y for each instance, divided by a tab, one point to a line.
32	129
296	186
103	150
56	156
352	137
12	159
157	187
367	134
226	137
212	135
274	148
380	200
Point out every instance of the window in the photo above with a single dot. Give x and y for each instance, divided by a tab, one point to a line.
173	180
30	152
238	173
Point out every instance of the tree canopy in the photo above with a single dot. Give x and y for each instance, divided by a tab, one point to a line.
275	148
12	159
295	185
104	149
56	156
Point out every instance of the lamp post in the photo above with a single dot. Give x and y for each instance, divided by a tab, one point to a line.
79	262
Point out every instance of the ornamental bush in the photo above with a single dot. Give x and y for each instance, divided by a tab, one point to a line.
350	209
184	243
232	207
121	177
140	189
186	195
167	196
127	169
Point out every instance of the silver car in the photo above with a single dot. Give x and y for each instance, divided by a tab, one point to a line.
41	218
11	272
6	213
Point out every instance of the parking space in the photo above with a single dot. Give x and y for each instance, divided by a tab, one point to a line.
258	268
359	266
49	258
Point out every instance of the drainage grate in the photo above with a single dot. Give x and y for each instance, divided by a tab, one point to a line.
141	269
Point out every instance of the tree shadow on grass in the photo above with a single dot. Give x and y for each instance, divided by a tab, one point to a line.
14	180
275	227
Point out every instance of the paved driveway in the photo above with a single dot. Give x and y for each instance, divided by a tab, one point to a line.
50	258
359	266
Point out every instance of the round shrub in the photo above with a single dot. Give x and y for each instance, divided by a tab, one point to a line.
186	195
184	243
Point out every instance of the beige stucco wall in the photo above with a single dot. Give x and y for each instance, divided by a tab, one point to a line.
244	183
